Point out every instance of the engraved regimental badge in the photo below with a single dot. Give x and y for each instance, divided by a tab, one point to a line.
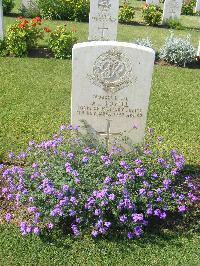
112	71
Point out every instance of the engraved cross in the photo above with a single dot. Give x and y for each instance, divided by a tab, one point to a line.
102	31
108	134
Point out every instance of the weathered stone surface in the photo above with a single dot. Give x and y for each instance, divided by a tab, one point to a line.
103	20
111	84
172	9
154	2
1	20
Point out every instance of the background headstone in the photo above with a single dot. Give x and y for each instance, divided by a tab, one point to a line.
103	20
111	88
197	8
198	50
172	9
27	4
1	20
153	2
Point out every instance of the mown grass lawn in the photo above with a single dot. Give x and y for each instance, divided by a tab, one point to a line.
35	99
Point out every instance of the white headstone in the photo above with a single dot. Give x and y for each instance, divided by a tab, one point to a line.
111	88
153	2
1	20
172	9
198	50
103	20
28	4
197	8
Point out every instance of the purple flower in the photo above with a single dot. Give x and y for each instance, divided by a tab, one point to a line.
50	226
85	159
107	224
174	171
138	162
8	217
11	155
75	230
36	230
107	180
138	230
140	171
159	199
157	212
111	196
62	127
123	218
65	188
182	208
75	173
150	194
31	209
130	235
70	155
150	211
167	183
150	130
142	192
163	215
94	233
97	212
136	217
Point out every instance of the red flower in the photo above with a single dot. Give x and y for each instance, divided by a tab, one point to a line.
37	19
23	24
20	17
47	29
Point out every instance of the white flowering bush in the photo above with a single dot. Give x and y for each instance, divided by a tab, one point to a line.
144	42
177	50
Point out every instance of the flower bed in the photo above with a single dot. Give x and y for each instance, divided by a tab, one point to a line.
72	182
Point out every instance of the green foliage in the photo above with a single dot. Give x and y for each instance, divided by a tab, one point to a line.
188	8
126	13
65	9
22	36
59	9
152	14
8	5
61	42
82	9
174	23
3	47
177	50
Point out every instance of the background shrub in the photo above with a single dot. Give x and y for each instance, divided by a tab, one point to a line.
126	13
82	10
152	14
8	5
177	50
174	23
22	36
144	42
65	9
61	42
188	7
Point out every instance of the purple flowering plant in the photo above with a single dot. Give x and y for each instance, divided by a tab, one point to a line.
72	182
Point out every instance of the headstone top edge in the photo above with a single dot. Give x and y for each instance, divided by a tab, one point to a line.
113	44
